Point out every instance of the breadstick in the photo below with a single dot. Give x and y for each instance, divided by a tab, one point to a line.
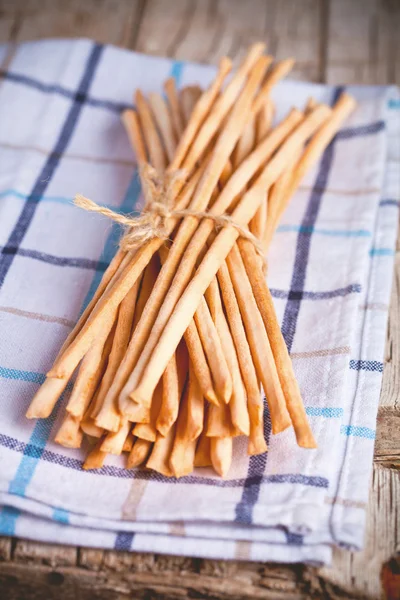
223	243
238	403
245	144
221	454
154	146
139	453
214	351
164	123
263	126
69	434
174	106
198	116
114	441
182	454
202	457
161	452
219	422
259	344
148	431
131	123
128	444
173	384
254	400
90	373
188	98
108	416
195	407
278	71
96	457
199	363
88	425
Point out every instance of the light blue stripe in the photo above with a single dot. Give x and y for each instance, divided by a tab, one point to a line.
54	199
364	432
8	520
31	376
60	515
42	429
177	70
394	103
330	412
381	252
332	232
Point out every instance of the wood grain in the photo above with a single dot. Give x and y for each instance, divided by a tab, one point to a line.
337	41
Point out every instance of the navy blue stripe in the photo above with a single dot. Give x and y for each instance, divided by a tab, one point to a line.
257	464
366	365
124	540
35	451
389	202
360	131
59	261
51	164
299	294
81	97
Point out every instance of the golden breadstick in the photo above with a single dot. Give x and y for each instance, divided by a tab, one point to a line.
202	457
108	417
199	363
148	431
174	106
238	403
182	454
88	425
114	441
214	351
132	126
95	458
139	453
188	98
173	385
245	144
161	452
278	71
219	422
195	407
221	454
223	243
164	123
128	444
69	434
154	146
198	116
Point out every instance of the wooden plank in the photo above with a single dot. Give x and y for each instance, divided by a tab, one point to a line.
53	555
204	31
363	42
106	21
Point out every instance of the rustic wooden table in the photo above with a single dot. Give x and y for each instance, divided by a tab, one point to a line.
334	41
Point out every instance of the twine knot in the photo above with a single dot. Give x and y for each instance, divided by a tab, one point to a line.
152	222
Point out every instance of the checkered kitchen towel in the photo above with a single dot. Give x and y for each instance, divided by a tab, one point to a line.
330	273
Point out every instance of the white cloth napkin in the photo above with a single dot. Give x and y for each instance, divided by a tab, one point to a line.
330	273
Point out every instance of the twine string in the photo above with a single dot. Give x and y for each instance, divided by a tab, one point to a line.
151	223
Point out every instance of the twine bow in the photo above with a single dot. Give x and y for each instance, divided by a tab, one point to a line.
152	222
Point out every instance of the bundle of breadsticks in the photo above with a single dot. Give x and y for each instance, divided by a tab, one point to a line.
180	343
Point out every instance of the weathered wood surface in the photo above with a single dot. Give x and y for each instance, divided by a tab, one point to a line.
337	41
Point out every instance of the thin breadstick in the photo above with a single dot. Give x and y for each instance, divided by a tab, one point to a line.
238	403
114	441
96	457
153	143
220	248
264	120
148	431
254	400
90	373
174	106
221	454
173	385
164	123
198	116
202	457
278	72
214	351
131	122
245	144
108	416
219	423
128	444
259	344
161	452
139	453
88	425
195	407
69	434
182	454
188	98
199	363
